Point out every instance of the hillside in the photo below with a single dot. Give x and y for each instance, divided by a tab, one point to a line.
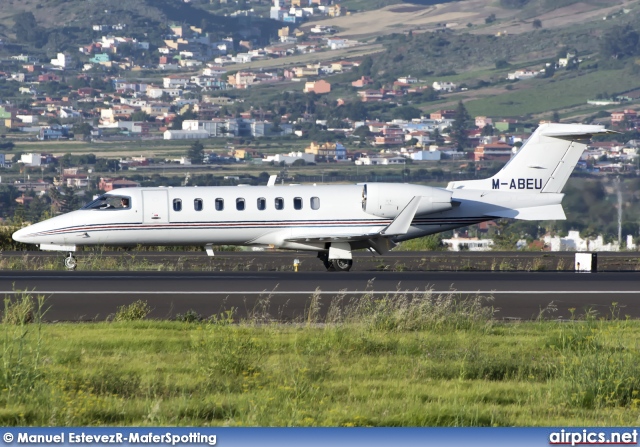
143	18
478	16
437	54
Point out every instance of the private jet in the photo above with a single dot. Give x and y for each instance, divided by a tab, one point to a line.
332	220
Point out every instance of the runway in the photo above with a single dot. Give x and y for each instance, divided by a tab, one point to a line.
284	296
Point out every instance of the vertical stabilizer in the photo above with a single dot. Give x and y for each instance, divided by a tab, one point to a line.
544	162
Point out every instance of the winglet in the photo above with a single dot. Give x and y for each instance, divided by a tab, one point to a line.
272	180
402	222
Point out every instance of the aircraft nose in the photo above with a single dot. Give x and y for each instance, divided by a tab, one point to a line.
20	235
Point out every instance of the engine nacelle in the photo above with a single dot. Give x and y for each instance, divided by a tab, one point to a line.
389	199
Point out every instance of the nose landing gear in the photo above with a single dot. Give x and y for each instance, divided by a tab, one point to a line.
70	262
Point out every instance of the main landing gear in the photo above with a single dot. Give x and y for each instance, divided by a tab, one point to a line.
335	265
70	262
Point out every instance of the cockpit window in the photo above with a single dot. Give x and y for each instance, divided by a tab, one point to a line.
109	202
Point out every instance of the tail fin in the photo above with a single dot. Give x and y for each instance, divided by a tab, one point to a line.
544	162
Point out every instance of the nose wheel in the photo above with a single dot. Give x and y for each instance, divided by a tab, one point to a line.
70	262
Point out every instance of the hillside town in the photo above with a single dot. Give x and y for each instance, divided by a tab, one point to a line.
203	89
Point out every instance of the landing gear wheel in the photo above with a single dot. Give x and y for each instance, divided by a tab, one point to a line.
342	265
70	262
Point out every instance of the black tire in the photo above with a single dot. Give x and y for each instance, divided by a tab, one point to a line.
342	265
70	262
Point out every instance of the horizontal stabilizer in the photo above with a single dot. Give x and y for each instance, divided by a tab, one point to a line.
546	212
579	131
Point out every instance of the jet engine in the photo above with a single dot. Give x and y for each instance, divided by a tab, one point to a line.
389	199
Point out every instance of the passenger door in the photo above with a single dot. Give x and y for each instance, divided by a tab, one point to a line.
155	207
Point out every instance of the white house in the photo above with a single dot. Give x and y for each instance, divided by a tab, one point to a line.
175	81
458	243
31	159
336	43
290	158
426	156
367	161
28	119
185	134
68	113
573	242
444	86
62	61
242	58
522	74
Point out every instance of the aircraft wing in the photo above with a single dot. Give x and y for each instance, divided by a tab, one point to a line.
342	238
376	241
380	241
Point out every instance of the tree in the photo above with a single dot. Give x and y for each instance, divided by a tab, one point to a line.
537	24
620	42
460	126
177	121
196	152
556	117
83	129
501	63
488	130
362	132
7	146
406	112
27	29
141	116
437	137
490	19
364	69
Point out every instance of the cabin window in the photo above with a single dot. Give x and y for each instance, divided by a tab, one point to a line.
177	204
219	204
262	203
197	204
297	203
315	203
279	203
240	204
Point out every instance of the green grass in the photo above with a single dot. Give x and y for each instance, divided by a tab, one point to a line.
398	361
546	95
367	5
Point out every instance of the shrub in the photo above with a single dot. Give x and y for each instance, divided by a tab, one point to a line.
135	311
598	370
190	316
20	311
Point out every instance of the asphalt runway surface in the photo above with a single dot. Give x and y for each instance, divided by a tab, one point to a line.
285	296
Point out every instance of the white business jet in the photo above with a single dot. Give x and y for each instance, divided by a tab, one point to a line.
331	220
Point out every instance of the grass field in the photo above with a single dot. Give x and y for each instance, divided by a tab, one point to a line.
544	95
425	361
309	58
